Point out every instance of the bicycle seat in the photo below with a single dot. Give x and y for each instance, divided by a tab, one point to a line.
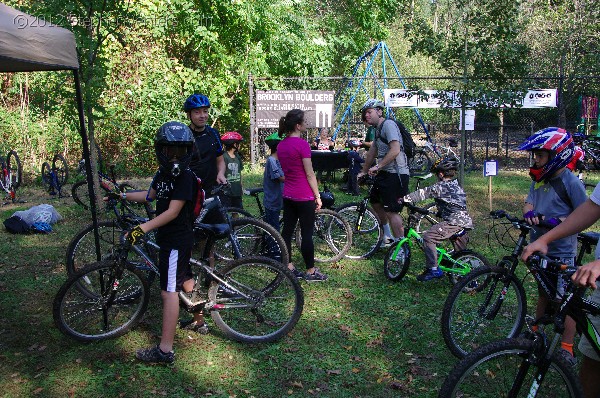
253	191
589	237
217	230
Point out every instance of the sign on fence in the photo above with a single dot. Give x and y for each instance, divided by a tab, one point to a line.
273	104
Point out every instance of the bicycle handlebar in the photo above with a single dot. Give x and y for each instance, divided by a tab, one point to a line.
540	260
416	209
496	214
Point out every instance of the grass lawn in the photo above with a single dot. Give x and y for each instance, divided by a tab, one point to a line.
360	335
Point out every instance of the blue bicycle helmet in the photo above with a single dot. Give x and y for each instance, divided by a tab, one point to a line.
558	142
173	140
196	101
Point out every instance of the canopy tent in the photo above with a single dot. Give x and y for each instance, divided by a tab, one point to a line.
29	44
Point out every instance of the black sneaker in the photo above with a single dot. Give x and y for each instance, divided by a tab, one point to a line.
316	276
194	326
155	355
298	274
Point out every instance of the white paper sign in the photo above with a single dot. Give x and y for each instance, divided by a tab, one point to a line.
469	120
490	168
540	99
400	98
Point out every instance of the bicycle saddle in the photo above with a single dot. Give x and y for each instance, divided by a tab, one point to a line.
253	191
589	237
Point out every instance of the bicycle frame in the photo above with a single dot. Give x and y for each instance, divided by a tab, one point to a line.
6	181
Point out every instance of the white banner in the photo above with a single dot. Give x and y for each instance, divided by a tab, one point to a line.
540	99
400	98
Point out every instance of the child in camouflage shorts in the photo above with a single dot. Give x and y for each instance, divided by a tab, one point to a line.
451	202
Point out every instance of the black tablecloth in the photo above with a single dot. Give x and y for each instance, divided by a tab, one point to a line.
329	160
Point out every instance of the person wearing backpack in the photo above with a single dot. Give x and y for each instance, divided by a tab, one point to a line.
391	170
175	188
554	193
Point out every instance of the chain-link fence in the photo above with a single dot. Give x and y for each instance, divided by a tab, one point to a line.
497	132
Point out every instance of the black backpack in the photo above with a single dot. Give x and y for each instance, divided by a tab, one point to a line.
408	145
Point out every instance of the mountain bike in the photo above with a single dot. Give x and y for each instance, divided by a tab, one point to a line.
529	366
55	177
332	235
456	263
367	231
11	175
237	237
424	157
251	299
490	303
108	183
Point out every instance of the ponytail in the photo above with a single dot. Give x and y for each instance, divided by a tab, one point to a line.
287	123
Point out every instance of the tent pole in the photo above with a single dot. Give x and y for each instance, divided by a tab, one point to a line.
88	163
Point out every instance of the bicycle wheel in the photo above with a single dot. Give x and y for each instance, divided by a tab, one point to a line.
420	163
468	257
15	169
396	266
60	167
254	237
366	236
493	370
80	194
486	305
332	236
46	176
262	302
108	307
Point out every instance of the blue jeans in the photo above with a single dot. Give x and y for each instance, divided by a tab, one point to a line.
272	217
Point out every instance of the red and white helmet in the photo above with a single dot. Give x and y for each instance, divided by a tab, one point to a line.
577	156
558	142
231	137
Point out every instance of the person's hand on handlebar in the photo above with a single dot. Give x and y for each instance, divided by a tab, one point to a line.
531	217
537	246
587	274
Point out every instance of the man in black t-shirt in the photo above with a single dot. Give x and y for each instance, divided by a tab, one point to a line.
207	157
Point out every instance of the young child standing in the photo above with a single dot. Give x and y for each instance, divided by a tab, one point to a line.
554	193
174	188
355	162
451	202
233	169
273	183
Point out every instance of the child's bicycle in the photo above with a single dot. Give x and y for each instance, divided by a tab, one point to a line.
455	263
250	299
55	177
11	175
490	303
530	366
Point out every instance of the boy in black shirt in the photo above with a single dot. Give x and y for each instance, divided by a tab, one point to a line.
173	187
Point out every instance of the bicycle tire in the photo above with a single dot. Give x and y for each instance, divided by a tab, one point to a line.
46	176
366	237
332	236
80	193
15	169
395	269
474	259
473	315
491	372
61	168
420	163
255	237
272	305
86	316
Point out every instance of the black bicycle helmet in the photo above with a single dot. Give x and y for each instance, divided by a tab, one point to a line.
174	140
196	101
352	143
445	164
327	198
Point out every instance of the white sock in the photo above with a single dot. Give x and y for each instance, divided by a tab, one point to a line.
387	231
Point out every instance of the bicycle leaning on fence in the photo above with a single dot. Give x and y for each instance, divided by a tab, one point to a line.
431	151
251	299
490	303
531	365
456	263
11	175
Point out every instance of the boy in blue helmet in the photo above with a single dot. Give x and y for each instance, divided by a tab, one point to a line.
173	187
554	193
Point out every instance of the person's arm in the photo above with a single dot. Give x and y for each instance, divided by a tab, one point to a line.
312	180
583	217
221	170
165	217
587	274
369	158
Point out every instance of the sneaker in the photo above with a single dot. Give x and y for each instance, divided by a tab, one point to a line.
387	241
430	274
298	274
194	326
570	359
155	355
316	276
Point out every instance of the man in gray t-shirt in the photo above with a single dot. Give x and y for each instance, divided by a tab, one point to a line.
391	170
